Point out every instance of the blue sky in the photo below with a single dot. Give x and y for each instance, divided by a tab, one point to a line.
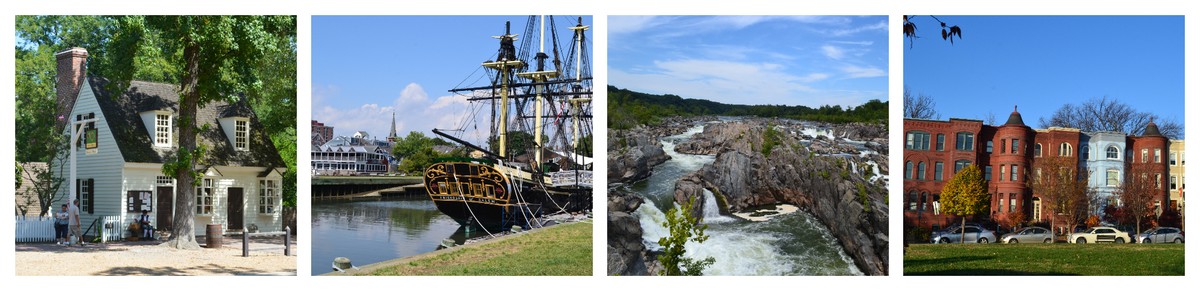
366	67
791	60
1040	63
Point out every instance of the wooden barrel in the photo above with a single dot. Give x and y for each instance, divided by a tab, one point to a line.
212	235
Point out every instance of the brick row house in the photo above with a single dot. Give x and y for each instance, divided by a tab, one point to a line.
934	150
119	170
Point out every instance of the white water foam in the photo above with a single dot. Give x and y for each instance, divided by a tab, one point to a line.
712	209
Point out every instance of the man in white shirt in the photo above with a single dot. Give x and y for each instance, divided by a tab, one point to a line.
73	222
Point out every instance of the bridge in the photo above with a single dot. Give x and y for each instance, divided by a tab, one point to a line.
350	187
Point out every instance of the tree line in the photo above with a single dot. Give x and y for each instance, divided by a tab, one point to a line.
627	108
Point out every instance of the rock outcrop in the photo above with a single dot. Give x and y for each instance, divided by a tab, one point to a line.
632	155
851	207
627	255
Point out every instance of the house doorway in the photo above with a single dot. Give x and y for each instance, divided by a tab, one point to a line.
235	210
166	208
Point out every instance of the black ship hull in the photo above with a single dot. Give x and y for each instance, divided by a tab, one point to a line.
476	194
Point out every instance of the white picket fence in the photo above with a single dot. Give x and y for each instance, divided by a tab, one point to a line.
41	229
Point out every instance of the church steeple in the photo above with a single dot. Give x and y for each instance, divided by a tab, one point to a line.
392	134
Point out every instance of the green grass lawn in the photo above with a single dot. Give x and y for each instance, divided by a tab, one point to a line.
1044	259
563	250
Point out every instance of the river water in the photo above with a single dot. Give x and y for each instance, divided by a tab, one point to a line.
789	244
378	230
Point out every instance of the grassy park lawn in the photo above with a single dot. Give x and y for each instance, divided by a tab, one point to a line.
1044	259
562	250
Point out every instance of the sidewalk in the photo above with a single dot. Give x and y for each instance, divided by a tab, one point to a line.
127	258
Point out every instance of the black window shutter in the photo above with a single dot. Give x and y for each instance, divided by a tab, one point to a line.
91	205
77	194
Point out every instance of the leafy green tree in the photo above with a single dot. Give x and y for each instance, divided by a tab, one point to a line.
220	58
965	195
683	227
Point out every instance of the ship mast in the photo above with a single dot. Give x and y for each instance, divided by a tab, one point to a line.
575	102
505	62
539	78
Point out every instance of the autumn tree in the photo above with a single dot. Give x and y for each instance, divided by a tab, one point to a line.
219	58
965	195
1063	187
1109	114
1139	191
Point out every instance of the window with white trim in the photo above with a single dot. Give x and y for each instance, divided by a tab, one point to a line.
268	196
204	197
162	130
241	134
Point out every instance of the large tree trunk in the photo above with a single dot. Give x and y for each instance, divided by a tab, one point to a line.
183	234
962	238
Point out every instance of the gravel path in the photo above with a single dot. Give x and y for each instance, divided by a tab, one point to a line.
150	259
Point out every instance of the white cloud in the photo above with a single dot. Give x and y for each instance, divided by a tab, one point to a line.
853	71
878	26
833	52
412	94
862	43
631	24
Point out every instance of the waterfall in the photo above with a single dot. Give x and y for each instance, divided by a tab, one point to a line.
712	209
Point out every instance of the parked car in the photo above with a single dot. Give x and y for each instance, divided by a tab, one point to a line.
1031	234
974	234
1161	235
1099	234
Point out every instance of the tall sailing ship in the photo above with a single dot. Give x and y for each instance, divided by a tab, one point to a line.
538	158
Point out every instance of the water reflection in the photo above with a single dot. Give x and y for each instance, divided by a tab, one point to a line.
379	230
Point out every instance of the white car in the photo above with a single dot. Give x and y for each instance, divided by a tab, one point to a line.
1099	234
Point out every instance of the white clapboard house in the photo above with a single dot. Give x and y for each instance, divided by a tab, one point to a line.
120	158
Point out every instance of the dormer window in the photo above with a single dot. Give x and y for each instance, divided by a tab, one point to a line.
237	132
241	134
162	130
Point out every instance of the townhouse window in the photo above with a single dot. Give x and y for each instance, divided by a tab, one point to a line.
1158	155
1064	150
916	140
1037	150
921	171
1173	156
960	164
1015	146
924	201
1001	172
1113	153
1112	178
964	141
1145	155
1083	151
241	134
1003	147
204	197
1013	173
989	146
1157	181
1000	205
941	142
1012	202
268	196
937	171
1173	185
912	201
162	130
908	170
987	173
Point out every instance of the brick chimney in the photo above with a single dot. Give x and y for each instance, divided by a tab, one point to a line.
72	73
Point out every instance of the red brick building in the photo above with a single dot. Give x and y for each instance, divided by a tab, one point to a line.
935	150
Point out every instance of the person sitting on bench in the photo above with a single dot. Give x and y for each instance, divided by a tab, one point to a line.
147	230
